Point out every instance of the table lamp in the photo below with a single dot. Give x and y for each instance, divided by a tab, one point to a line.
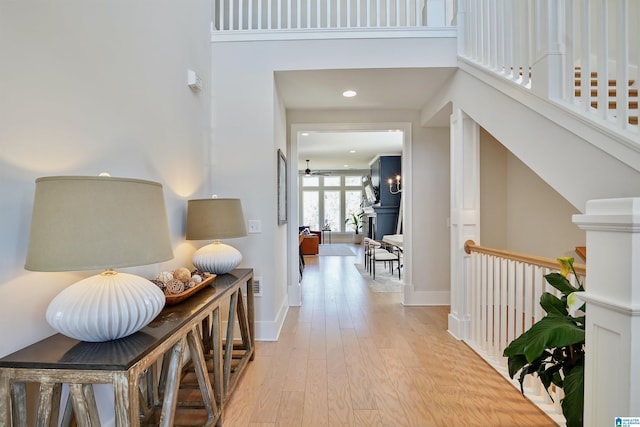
91	223
215	219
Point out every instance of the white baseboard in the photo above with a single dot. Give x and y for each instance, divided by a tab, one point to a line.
412	297
457	327
270	330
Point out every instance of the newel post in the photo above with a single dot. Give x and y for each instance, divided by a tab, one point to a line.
465	214
612	364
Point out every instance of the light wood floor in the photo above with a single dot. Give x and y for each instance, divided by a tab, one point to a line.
350	357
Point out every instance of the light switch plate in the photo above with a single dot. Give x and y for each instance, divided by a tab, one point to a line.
255	226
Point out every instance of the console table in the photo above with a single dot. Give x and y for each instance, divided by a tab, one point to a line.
152	381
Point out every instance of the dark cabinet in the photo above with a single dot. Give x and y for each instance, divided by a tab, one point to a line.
384	168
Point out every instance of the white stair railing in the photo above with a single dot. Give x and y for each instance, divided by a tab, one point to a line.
582	54
504	293
267	15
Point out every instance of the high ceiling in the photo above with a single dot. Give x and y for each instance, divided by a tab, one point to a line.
377	89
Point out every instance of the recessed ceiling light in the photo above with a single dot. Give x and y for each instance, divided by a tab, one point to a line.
352	151
305	134
346	166
349	93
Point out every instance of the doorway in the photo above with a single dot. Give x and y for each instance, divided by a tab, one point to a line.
296	131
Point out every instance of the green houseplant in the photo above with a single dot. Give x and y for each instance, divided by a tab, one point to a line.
553	348
355	220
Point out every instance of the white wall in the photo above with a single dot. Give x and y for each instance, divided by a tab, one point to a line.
430	234
493	192
245	136
519	211
88	87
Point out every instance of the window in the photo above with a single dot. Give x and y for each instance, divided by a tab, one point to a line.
332	181
310	181
332	210
311	209
328	200
352	201
352	181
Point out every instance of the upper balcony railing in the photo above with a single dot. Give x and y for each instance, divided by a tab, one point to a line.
299	16
581	54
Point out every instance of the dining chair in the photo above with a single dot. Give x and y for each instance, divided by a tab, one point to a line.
379	254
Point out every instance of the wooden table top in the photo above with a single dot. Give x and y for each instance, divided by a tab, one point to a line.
61	352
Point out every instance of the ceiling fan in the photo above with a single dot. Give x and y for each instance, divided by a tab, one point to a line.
309	172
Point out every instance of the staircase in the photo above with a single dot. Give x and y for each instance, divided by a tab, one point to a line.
612	92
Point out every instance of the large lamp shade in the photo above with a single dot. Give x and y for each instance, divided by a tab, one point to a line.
90	223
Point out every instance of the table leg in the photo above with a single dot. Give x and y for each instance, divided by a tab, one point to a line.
228	350
216	338
200	368
19	408
127	405
48	404
251	317
84	404
172	385
5	398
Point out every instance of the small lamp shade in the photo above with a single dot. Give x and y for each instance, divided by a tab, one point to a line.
88	223
215	219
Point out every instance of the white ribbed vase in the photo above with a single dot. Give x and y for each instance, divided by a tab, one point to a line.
105	307
216	258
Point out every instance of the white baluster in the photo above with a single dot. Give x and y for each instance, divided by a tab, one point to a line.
298	14
519	291
585	69
489	304
504	283
622	70
483	303
348	14
478	300
495	327
569	74
472	281
511	302
603	60
499	36
223	20
493	295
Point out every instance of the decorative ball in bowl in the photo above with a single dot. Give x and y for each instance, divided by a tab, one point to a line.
181	283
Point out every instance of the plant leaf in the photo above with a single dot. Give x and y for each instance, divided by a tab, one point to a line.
561	283
552	304
573	401
516	362
548	332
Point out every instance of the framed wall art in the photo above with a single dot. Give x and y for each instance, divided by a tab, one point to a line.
282	188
